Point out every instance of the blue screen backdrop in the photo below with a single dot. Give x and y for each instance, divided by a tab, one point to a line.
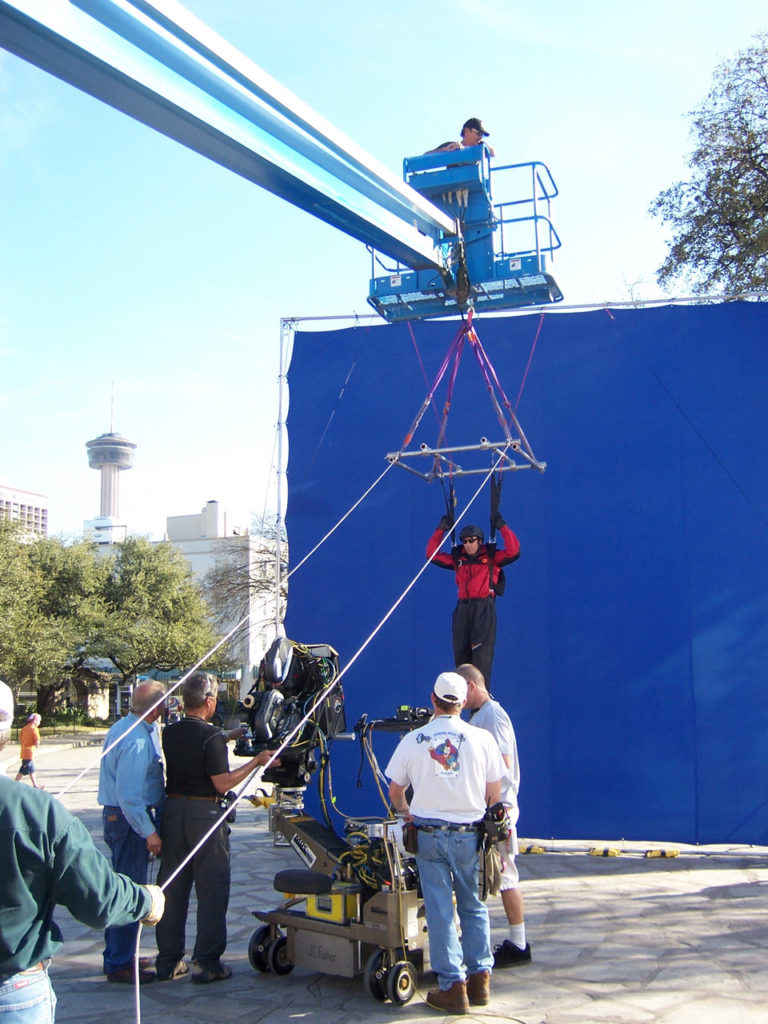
632	651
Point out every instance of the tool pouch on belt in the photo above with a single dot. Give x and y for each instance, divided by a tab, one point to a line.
410	838
226	800
495	823
490	870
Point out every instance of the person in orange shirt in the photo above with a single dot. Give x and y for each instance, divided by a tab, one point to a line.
29	738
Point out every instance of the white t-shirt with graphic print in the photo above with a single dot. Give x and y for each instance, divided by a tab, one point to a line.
448	762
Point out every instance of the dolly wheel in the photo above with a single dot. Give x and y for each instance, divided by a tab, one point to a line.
257	948
277	956
376	976
401	982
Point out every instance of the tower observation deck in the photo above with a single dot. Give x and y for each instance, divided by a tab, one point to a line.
110	453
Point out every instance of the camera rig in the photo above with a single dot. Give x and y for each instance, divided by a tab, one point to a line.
355	907
293	678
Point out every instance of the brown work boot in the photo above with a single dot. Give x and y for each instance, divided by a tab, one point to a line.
453	999
479	988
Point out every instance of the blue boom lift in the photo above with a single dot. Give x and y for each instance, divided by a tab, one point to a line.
499	259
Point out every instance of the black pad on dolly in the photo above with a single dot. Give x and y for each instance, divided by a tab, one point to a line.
302	882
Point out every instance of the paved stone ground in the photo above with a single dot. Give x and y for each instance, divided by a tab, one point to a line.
616	940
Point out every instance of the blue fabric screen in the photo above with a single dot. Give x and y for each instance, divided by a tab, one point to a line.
632	652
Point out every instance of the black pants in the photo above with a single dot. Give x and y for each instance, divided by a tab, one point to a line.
474	634
185	822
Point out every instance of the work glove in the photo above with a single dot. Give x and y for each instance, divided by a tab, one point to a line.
157	907
446	523
495	494
498	521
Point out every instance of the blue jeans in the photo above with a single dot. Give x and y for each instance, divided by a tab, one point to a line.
27	999
130	857
449	863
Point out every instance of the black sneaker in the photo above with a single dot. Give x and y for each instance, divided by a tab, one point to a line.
510	955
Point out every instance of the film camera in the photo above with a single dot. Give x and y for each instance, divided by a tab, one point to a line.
291	678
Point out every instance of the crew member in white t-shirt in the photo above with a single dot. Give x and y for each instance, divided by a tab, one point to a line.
488	714
455	770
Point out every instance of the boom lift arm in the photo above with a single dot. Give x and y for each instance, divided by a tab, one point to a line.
152	60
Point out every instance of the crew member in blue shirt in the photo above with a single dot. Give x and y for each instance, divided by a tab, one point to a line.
131	792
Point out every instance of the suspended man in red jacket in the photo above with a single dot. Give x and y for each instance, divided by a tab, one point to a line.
479	579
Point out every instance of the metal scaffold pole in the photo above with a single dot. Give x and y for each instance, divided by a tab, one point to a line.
286	333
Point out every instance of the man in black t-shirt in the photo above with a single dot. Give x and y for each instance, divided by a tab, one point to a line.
197	776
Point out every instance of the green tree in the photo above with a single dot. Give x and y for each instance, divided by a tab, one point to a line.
719	218
50	604
16	582
154	615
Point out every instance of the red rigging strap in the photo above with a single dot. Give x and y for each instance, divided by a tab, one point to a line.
502	406
490	378
449	391
530	359
452	358
432	402
409	324
458	340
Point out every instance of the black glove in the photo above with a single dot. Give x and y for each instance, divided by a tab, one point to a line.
495	494
498	521
446	523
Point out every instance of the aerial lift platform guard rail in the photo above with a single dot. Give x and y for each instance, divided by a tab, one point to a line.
490	268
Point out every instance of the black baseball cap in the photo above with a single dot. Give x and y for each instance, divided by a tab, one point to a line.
477	124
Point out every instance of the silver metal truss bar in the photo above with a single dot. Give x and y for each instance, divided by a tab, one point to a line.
158	64
452	470
484	446
440	456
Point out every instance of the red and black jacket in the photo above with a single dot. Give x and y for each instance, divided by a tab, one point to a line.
476	576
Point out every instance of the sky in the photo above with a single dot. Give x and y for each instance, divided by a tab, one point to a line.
142	286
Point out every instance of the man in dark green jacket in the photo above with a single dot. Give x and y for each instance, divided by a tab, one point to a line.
47	857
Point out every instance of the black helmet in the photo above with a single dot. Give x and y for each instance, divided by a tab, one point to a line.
471	531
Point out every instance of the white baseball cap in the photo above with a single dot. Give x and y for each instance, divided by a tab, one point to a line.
451	687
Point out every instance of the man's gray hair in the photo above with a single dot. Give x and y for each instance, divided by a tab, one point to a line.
472	674
145	696
194	691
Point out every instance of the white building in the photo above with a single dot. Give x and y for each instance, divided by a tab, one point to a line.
27	508
208	541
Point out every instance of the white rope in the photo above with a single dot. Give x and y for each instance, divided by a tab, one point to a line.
418	575
157	704
246	618
320	697
345	516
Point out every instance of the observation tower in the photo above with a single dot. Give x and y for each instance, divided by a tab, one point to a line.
110	454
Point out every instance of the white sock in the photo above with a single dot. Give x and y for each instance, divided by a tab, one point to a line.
517	935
